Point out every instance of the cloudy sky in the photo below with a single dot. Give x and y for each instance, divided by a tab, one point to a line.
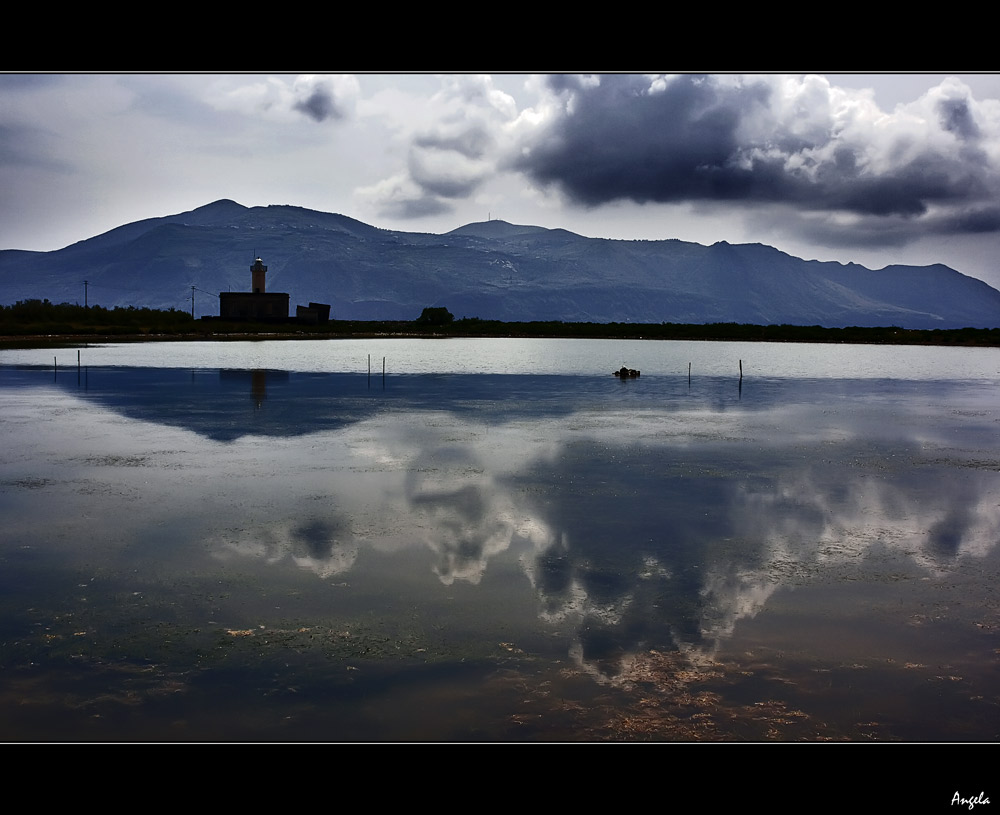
868	168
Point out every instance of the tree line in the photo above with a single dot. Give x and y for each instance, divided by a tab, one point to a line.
27	317
40	317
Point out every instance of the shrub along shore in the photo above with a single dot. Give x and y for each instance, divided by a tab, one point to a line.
37	323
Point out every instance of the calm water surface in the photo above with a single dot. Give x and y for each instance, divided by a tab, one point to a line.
499	541
560	357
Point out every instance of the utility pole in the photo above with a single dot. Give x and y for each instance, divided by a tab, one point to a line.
85	294
192	302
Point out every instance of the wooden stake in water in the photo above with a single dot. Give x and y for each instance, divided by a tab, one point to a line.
383	373
369	370
741	370
689	374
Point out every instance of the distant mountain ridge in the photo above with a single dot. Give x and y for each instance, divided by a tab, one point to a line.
492	270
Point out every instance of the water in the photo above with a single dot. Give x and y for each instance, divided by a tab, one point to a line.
565	357
501	542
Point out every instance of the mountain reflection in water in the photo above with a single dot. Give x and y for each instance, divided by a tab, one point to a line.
561	528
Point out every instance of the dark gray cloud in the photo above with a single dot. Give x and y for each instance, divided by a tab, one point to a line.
471	142
28	82
957	118
324	97
26	146
319	105
874	231
417	206
443	172
617	141
753	141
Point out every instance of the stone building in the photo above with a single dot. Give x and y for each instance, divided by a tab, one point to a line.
313	314
257	304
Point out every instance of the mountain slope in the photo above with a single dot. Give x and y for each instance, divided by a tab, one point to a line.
492	270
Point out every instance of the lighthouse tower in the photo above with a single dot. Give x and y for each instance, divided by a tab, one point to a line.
256	304
257	272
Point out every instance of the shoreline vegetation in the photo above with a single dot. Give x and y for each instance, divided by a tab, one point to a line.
40	323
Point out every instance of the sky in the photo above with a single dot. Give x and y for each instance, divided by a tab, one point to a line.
873	169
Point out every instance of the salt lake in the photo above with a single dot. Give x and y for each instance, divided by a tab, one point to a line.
498	540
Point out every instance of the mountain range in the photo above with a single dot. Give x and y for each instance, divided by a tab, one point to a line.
492	270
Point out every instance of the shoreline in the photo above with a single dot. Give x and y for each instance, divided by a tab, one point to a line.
482	329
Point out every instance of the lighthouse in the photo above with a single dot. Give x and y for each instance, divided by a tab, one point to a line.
256	304
257	273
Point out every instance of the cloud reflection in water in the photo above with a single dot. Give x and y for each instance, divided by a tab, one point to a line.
656	526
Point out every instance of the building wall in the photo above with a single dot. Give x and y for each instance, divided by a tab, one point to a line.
239	305
313	314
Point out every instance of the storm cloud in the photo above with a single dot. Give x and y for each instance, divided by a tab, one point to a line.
794	141
616	138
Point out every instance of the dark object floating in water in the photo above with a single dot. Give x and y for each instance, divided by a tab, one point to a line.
626	373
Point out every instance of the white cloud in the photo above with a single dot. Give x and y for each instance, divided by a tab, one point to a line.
451	151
